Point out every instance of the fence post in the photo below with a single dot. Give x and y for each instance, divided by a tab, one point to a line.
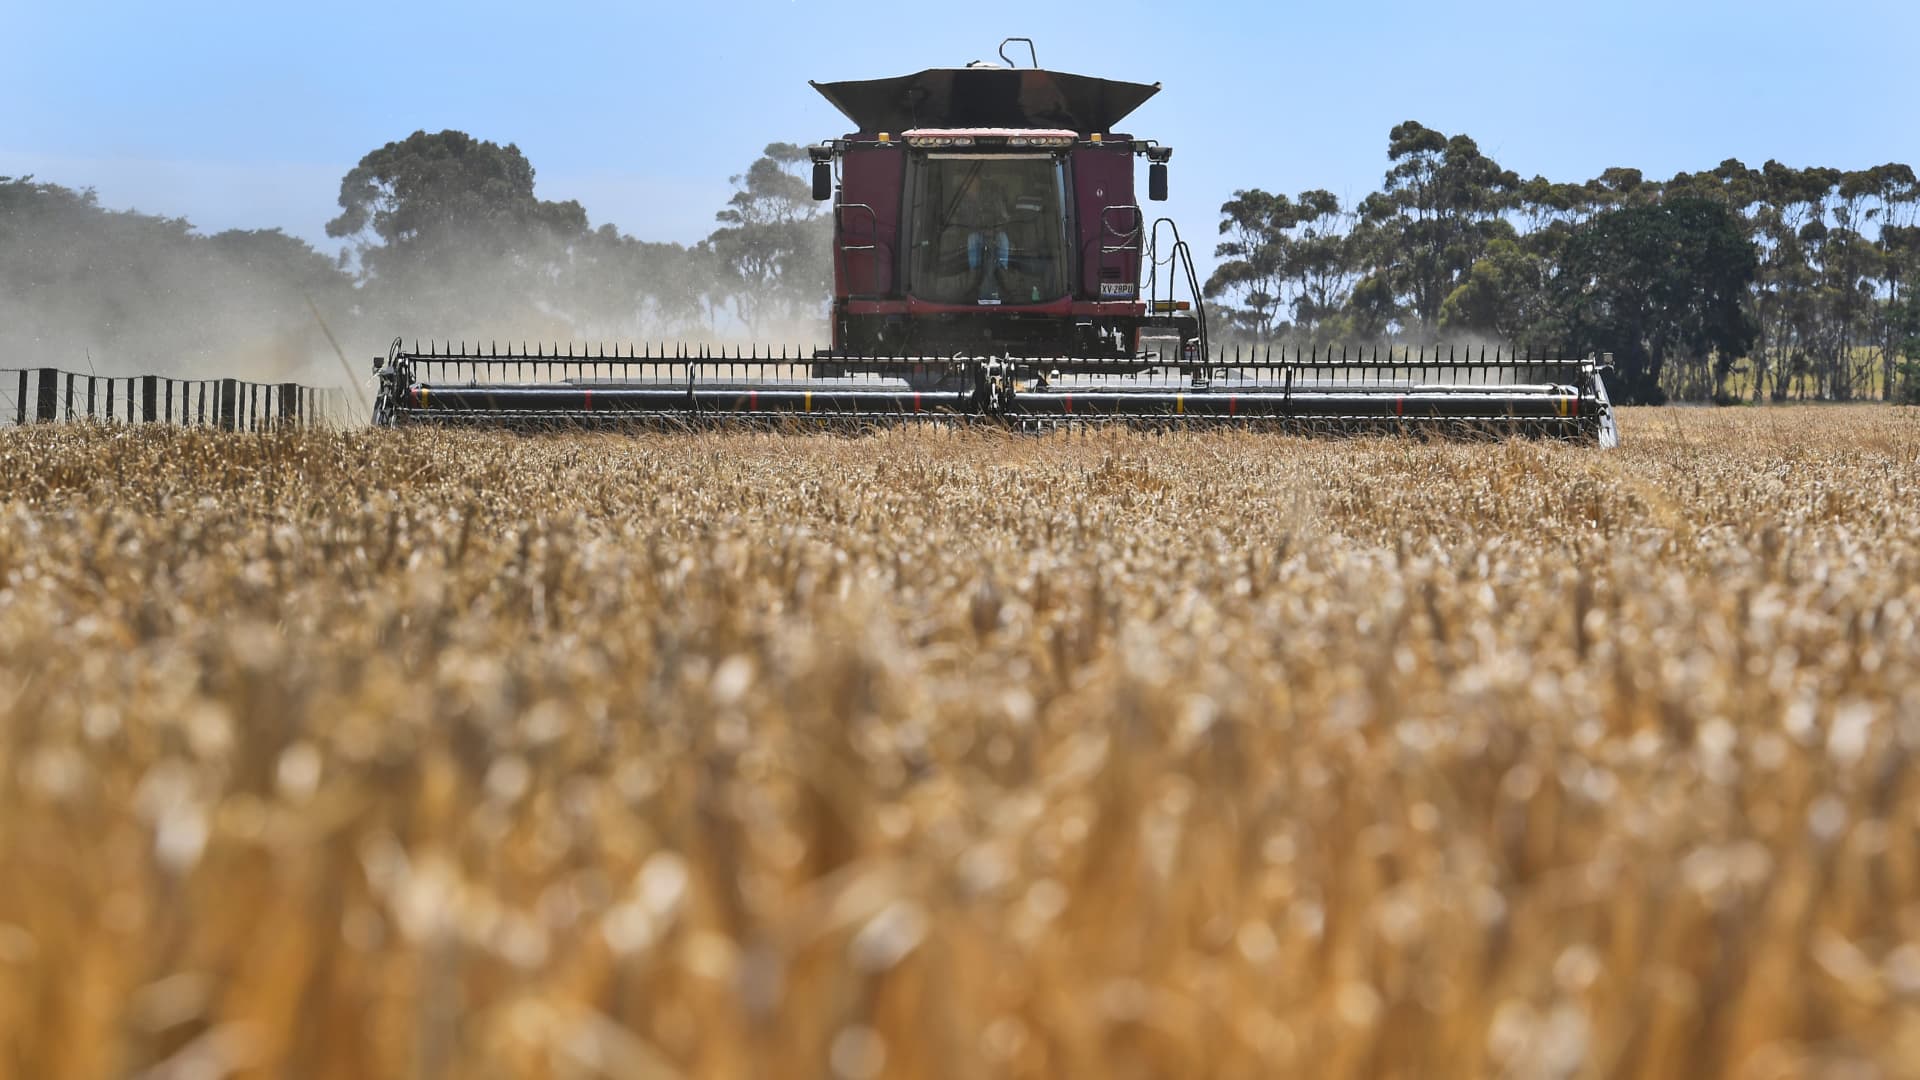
90	396
70	378
290	404
46	408
229	399
150	398
167	411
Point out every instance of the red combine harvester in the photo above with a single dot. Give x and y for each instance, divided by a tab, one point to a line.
992	263
990	210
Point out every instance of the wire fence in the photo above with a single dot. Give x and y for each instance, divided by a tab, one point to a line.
50	395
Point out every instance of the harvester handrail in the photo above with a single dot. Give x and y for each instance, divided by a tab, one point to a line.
1129	238
1178	256
873	226
1032	53
842	232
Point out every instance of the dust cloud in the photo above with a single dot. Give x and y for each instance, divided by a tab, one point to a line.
117	293
122	293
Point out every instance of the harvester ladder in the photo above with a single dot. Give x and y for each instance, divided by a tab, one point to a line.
1179	264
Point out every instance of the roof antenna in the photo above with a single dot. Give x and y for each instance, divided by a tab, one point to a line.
1031	54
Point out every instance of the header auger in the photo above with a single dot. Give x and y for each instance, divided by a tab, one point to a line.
992	265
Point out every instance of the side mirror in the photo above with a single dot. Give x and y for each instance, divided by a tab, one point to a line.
1157	181
822	181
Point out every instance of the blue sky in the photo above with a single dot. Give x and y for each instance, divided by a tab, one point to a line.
246	115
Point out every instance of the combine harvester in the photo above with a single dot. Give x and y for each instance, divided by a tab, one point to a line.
988	258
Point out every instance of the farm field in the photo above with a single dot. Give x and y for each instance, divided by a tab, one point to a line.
958	754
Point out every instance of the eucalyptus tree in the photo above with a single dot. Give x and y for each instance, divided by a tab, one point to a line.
773	246
1287	264
1442	204
1657	283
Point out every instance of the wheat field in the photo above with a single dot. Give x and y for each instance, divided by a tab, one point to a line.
960	754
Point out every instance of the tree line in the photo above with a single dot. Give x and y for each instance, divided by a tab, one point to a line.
1762	284
1768	283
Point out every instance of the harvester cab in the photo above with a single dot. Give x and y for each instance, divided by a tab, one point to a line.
991	210
991	263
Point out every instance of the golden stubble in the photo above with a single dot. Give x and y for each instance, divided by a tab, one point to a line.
955	754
